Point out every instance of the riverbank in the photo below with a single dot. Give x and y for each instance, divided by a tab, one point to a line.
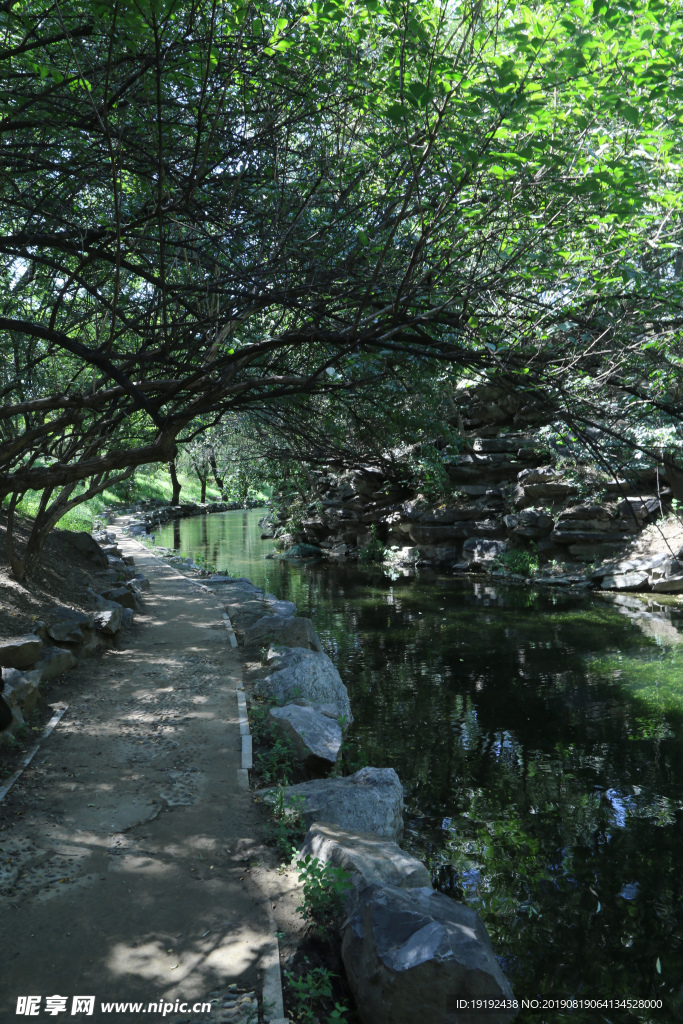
523	507
537	733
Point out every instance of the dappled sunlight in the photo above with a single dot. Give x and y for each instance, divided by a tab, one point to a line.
190	968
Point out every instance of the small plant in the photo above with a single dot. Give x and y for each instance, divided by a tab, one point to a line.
324	887
286	828
311	988
277	765
519	560
373	550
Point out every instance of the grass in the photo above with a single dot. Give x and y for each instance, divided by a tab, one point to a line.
151	483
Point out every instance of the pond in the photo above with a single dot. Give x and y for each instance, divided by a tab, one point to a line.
539	736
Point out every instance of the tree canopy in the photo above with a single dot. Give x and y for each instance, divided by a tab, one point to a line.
219	208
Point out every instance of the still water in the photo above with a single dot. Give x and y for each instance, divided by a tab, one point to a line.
540	740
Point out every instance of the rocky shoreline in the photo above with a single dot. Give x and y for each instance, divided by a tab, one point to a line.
513	510
406	948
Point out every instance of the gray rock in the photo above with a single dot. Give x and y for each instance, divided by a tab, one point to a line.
537	475
127	615
20	651
504	443
553	489
411	954
312	734
663	561
589	552
277	607
529	524
66	625
109	621
478	550
369	801
625	581
642	509
672	585
54	662
288	630
575	536
86	545
445	554
584	513
449	516
112	551
20	688
297	672
123	596
368	859
421	534
304	551
485	528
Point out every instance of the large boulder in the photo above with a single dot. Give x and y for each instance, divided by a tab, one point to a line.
109	620
287	630
54	662
415	954
125	596
277	607
20	688
478	550
298	672
529	524
303	551
421	534
86	546
625	581
65	625
368	859
369	801
313	734
645	509
671	585
20	651
537	475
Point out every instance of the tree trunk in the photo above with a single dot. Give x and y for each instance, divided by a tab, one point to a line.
175	500
202	477
220	483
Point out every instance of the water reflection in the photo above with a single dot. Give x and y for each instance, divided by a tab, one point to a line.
539	737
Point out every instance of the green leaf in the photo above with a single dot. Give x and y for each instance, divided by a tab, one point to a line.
396	112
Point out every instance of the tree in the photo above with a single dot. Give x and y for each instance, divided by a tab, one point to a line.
213	207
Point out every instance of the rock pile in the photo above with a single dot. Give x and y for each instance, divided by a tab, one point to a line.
67	634
409	952
508	495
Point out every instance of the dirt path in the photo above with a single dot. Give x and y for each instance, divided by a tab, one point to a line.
125	847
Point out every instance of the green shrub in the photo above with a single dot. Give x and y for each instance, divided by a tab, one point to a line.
286	829
373	550
323	891
277	765
309	991
519	560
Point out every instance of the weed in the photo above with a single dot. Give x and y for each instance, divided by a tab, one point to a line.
277	765
373	550
519	560
323	891
313	988
286	829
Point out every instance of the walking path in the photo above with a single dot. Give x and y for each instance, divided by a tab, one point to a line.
127	844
